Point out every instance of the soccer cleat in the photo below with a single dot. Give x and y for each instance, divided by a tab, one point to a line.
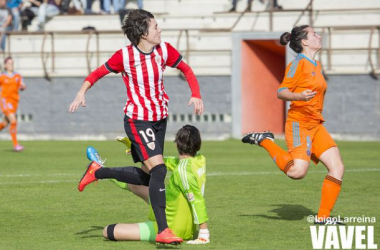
18	148
167	237
328	221
93	155
126	142
257	138
89	175
198	241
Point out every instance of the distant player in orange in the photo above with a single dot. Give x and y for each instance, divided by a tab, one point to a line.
10	84
306	137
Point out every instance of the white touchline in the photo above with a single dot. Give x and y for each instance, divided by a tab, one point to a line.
33	175
279	172
36	182
212	174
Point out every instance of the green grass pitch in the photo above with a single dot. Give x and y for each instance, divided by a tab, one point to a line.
251	204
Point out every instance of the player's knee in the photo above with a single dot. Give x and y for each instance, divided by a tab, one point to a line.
337	170
297	174
158	173
340	167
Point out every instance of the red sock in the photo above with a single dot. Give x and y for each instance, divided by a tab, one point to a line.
330	192
13	132
282	158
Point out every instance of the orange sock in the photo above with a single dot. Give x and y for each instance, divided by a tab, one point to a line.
282	158
2	125
13	132
330	192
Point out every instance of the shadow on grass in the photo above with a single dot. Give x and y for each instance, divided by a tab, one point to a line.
10	150
92	229
286	212
161	246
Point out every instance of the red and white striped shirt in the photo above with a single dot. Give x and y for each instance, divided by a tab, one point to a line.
143	77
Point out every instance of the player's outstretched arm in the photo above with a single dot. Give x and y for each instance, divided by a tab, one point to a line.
22	86
79	99
194	87
90	80
188	184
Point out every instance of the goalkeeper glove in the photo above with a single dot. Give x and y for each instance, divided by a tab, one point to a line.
203	238
126	142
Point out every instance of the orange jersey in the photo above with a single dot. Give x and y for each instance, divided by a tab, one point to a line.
302	74
10	85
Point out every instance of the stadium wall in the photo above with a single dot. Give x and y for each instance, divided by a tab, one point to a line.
43	109
352	108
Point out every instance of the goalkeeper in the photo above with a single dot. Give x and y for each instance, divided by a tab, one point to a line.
185	204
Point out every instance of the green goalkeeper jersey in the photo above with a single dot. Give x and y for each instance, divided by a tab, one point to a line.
185	204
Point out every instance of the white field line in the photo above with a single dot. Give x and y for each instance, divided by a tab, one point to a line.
34	175
212	174
36	182
279	172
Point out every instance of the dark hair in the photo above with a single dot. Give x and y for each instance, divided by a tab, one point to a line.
295	38
188	139
7	59
136	24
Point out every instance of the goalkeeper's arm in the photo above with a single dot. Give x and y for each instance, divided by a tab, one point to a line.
189	187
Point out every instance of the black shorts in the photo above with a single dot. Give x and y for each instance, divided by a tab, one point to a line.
147	137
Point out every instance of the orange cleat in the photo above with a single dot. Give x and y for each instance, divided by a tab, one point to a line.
167	237
89	176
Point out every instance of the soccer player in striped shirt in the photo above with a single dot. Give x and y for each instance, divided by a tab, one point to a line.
141	65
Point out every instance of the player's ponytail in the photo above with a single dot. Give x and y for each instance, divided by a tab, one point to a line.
284	39
295	38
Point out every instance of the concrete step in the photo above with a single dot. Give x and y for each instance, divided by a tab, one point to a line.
74	64
202	63
351	39
112	42
349	61
254	21
192	7
209	52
